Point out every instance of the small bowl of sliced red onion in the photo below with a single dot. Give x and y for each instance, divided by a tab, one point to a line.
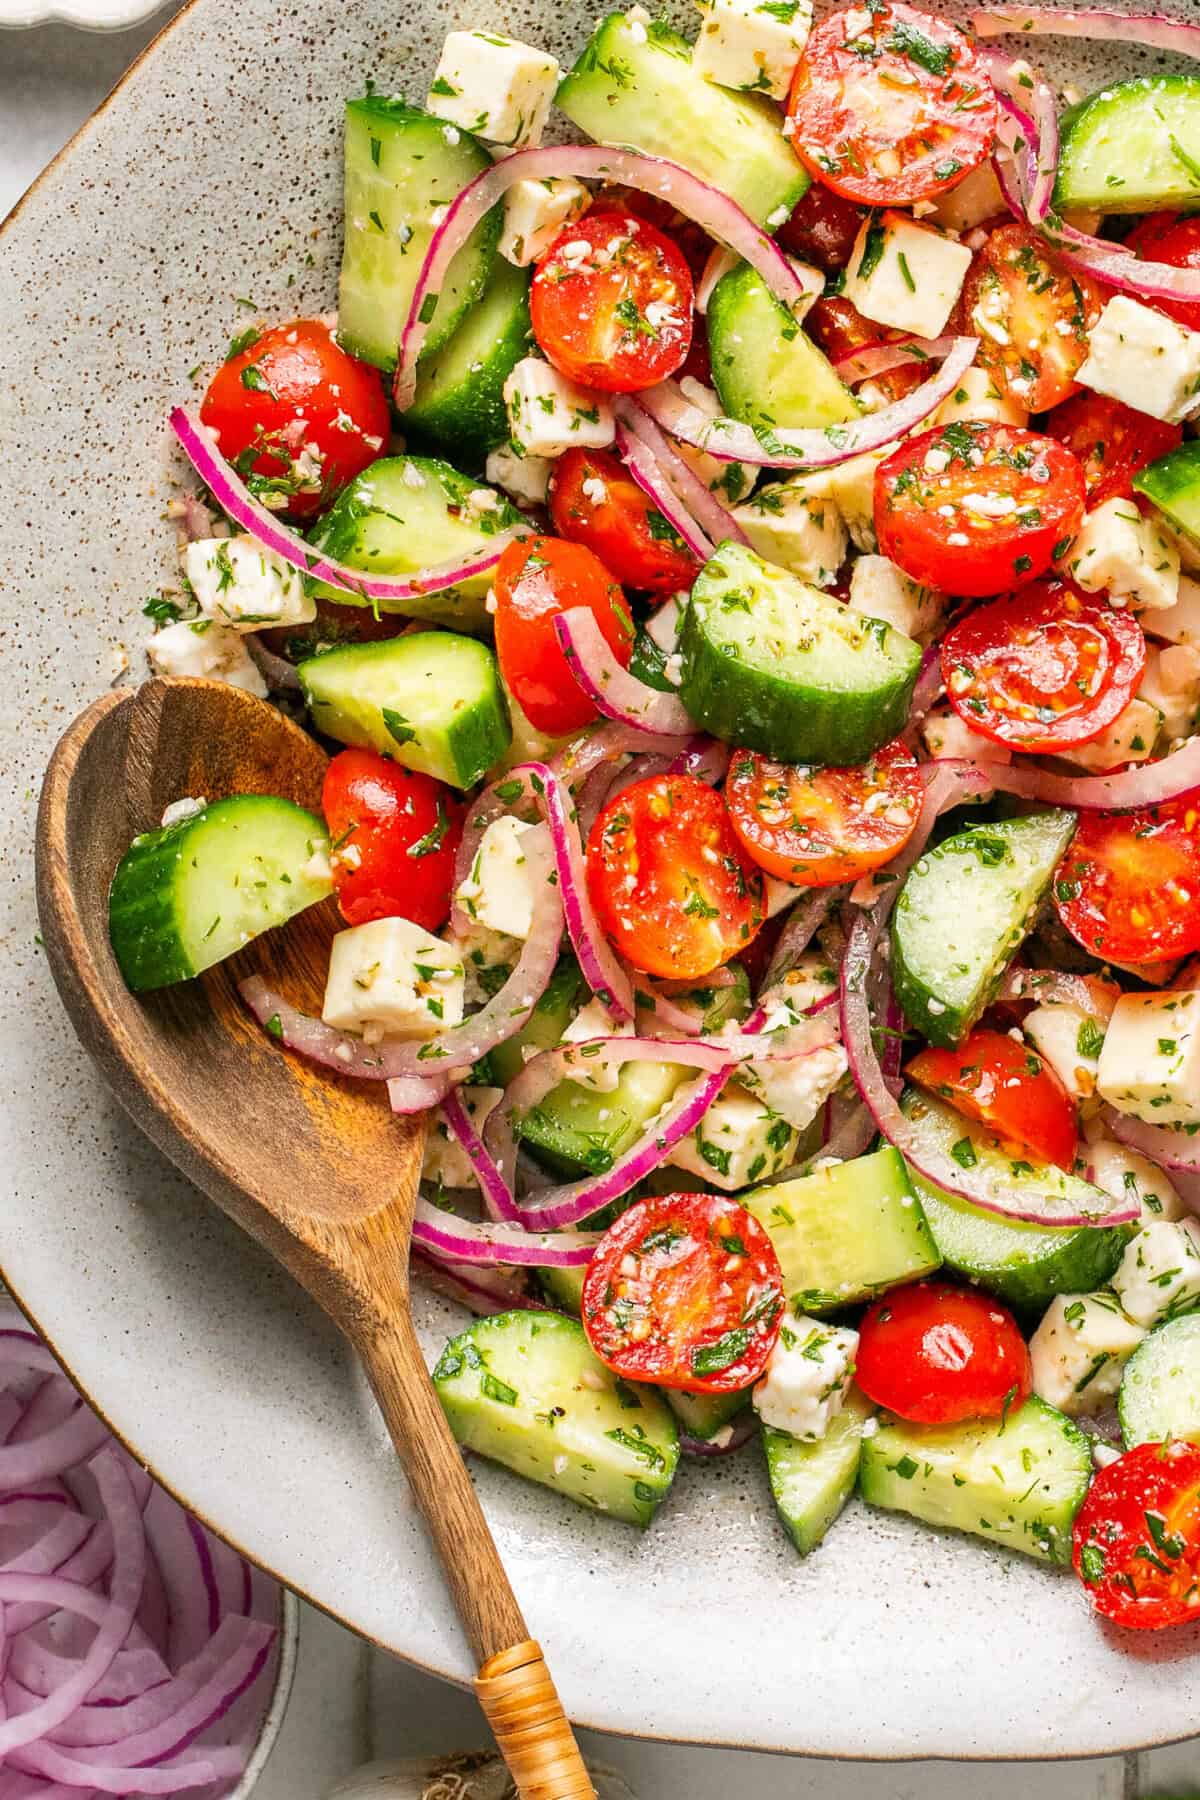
138	1653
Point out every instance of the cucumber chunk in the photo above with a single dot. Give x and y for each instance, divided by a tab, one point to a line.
402	163
1172	482
432	701
765	370
775	665
188	896
563	1288
526	1390
705	1416
1160	1388
406	513
578	1130
639	88
1132	147
1017	1481
845	1233
565	993
811	1483
964	911
459	402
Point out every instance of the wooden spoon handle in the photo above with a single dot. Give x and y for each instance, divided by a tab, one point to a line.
514	1685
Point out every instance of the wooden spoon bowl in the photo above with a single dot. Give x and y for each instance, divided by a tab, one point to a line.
314	1166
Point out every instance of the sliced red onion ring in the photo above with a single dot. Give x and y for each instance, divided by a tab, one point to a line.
730	441
1149	784
926	694
1154	30
809	912
720	216
720	262
497	1195
1173	1150
610	687
463	1240
731	1437
643	466
707	759
408	1094
1049	987
605	743
1039	1208
235	498
1118	267
712	517
278	673
1018	90
881	359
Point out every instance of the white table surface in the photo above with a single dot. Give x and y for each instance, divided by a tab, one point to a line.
350	1703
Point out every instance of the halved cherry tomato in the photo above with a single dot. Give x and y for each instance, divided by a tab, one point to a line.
691	238
536	579
1137	1537
295	415
1007	1087
595	501
1128	888
890	105
935	1354
1032	316
669	880
611	303
1043	670
395	834
1172	238
685	1290
822	228
977	509
838	328
1111	440
819	826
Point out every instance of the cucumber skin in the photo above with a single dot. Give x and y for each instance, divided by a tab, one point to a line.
469	419
746	325
1143	1419
811	1483
1172	482
755	708
1109	116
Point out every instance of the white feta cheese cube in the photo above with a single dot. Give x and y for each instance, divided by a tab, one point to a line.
807	1377
852	484
393	978
1124	1174
239	584
905	275
488	959
1178	624
1159	1274
978	397
662	627
511	866
1145	359
880	590
526	479
595	1021
972	201
200	647
1130	738
1171	683
494	86
797	525
1150	1064
548	414
947	737
752	44
446	1162
814	978
1070	1040
534	214
1079	1350
1130	558
780	894
797	1089
739	1141
732	480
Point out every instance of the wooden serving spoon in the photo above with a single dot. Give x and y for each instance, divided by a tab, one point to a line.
315	1167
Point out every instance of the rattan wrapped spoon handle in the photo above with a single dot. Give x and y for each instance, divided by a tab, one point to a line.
534	1736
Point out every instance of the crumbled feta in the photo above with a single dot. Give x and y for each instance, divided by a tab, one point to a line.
780	894
494	86
534	214
972	201
1070	1040
1125	1175
852	484
549	414
752	44
525	478
239	584
1130	738
1130	558
511	866
662	627
488	958
1144	359
446	1162
392	977
977	397
1180	623
797	525
200	647
807	1377
880	590
1159	1274
1079	1350
947	736
738	1142
799	1088
1171	683
1150	1064
179	810
595	1021
814	978
905	275
732	481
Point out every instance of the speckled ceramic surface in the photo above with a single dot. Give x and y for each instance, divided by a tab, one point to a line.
205	191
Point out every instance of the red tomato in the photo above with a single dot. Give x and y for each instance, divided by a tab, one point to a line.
536	579
615	314
819	826
1111	440
395	835
685	1290
838	328
1172	238
1129	886
669	880
334	624
1043	670
1137	1537
822	229
890	105
296	416
691	238
935	1354
1032	315
977	509
1007	1087
594	501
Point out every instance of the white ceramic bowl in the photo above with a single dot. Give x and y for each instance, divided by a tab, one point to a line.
212	176
90	15
281	1693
